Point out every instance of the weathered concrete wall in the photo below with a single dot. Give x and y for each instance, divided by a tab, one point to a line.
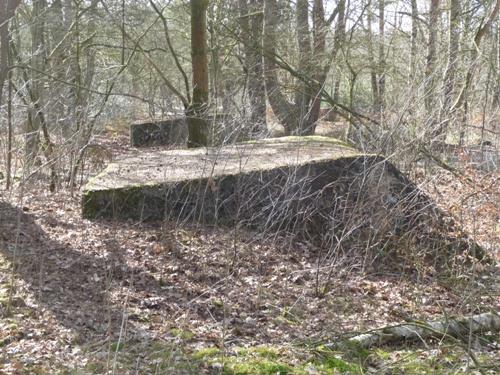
222	129
158	133
313	187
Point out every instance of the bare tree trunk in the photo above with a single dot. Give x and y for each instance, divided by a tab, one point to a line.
83	77
38	53
197	124
300	117
36	117
381	59
285	111
352	86
10	129
431	57
319	64
251	23
7	10
449	75
371	59
303	94
496	64
414	35
338	43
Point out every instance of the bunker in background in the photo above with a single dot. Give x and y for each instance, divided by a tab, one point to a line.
173	131
158	133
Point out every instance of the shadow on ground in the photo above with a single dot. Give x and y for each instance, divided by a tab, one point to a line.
72	285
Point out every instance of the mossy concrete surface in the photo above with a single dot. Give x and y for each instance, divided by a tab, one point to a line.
292	184
153	168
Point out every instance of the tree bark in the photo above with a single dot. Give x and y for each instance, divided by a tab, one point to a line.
303	94
449	75
301	116
319	64
496	66
10	129
371	59
7	11
251	24
38	53
285	111
431	57
338	43
414	35
381	59
196	112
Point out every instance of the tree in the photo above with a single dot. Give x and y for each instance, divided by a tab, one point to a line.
414	35
299	116
482	30
197	124
451	68
377	68
381	58
431	57
7	10
339	41
251	24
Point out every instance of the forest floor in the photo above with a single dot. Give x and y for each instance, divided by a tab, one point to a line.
95	297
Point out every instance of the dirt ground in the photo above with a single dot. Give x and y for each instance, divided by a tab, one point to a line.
79	296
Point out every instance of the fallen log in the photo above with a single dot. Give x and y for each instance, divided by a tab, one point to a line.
412	331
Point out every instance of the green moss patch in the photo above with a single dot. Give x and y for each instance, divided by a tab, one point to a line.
265	360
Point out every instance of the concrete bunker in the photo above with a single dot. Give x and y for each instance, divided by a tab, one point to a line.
317	188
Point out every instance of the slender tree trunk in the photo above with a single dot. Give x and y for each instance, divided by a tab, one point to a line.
285	111
496	64
196	113
336	97
7	10
339	35
251	23
449	76
320	65
10	129
414	35
303	95
431	57
32	83
352	86
84	71
371	59
257	86
381	59
38	53
338	43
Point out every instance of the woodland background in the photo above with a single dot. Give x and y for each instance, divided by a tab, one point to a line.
416	81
